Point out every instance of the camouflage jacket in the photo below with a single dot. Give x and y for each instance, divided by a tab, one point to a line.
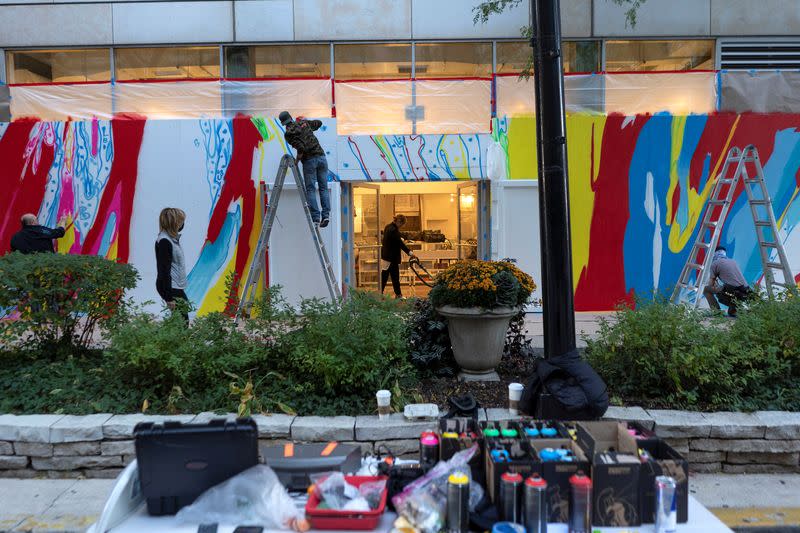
300	134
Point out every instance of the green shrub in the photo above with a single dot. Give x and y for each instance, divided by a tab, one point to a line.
664	355
57	303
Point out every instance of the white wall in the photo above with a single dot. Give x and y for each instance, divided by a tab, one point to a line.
176	22
655	17
515	226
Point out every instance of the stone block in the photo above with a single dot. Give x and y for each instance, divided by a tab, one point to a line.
678	424
499	414
24	473
743	458
76	462
731	425
630	414
11	462
104	473
736	445
705	457
679	445
395	426
398	447
118	447
705	468
73	428
274	426
128	459
208	416
321	429
366	447
759	469
34	449
27	428
64	474
780	425
121	426
77	448
6	448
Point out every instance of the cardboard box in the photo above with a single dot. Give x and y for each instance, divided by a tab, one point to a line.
522	461
557	474
615	486
665	461
642	434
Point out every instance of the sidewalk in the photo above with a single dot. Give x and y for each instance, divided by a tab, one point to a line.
56	505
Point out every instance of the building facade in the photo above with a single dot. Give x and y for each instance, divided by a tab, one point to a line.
118	109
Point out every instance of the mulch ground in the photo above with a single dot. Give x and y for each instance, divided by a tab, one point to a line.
487	393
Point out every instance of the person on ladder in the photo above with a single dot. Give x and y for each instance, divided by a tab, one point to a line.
300	135
734	287
391	246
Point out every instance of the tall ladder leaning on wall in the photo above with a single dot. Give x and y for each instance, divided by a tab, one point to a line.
258	267
714	219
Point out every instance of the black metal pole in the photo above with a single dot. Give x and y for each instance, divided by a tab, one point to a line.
554	229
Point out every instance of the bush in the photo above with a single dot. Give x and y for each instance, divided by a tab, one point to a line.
57	302
664	355
485	284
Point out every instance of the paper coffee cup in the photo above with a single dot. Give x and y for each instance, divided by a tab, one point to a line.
384	398
514	395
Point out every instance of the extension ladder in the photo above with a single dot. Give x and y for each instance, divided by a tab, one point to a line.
714	219
259	266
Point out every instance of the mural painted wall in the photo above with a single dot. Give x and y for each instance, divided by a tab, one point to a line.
638	186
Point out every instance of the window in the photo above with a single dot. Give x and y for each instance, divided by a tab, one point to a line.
372	61
46	66
167	63
579	56
278	61
453	60
659	55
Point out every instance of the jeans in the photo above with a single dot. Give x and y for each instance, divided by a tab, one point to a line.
727	295
394	272
315	170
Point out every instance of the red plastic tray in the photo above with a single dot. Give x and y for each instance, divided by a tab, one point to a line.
359	520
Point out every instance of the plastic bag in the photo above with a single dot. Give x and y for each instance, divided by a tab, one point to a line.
496	162
423	503
334	490
254	497
372	491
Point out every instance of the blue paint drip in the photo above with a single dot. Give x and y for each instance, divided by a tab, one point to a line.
213	258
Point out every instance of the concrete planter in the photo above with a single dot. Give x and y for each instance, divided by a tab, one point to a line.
478	336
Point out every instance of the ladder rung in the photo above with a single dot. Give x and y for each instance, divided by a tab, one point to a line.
695	266
770	244
704	245
776	266
764	223
758	202
718	202
711	223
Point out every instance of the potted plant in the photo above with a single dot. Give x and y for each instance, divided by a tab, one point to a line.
479	298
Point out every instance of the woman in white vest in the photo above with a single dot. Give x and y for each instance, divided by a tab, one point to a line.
171	279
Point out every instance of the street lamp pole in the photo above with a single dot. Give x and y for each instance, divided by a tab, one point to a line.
551	146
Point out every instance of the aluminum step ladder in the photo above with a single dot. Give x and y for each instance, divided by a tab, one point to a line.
258	267
769	243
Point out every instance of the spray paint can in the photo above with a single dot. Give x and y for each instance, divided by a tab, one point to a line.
580	503
666	518
428	449
458	503
511	497
536	505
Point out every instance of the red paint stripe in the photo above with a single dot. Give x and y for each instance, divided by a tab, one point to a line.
177	80
60	83
296	78
467	78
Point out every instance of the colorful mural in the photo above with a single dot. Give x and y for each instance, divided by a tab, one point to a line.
638	186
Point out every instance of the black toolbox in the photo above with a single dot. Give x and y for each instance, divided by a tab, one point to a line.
178	462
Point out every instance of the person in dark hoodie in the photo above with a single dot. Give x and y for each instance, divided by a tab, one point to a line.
300	135
33	238
391	246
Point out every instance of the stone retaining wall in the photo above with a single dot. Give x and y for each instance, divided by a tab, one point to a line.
100	445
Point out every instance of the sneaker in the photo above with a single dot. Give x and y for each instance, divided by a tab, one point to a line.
324	223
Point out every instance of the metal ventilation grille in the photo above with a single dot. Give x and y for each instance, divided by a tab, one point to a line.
756	55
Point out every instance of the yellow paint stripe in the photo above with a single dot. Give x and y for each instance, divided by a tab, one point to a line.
757	517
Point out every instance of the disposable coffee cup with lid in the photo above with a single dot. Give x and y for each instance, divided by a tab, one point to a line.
514	395
384	398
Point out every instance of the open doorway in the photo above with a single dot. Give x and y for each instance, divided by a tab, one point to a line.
445	222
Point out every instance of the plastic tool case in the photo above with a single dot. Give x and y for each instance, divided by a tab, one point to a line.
178	462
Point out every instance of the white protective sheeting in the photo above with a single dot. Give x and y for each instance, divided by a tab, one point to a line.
679	93
267	98
373	108
516	96
760	91
61	102
169	100
454	106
